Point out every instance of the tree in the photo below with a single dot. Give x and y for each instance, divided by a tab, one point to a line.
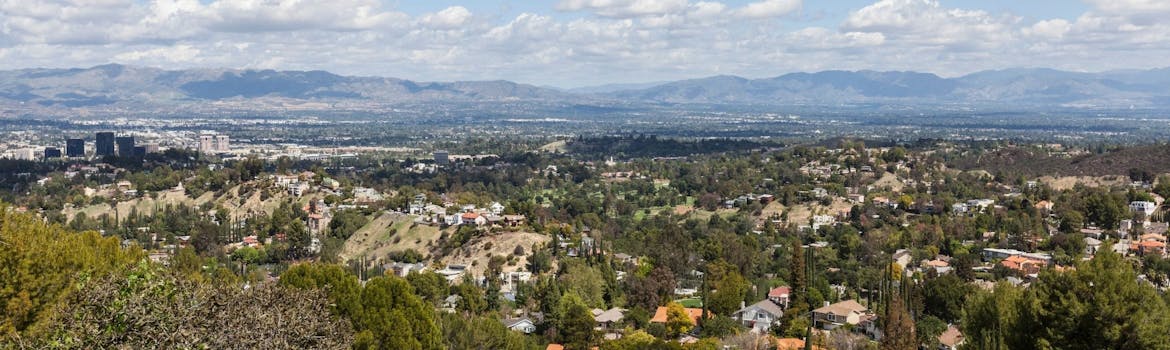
797	272
397	318
151	308
1071	221
678	321
385	312
429	286
341	286
849	341
575	322
1100	305
729	292
928	329
943	297
586	282
346	222
988	318
647	292
720	327
39	265
635	340
897	327
461	332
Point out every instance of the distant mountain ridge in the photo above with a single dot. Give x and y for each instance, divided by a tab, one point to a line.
1012	86
113	83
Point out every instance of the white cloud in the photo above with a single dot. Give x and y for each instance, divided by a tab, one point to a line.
928	23
1049	29
768	8
449	18
616	41
624	8
155	56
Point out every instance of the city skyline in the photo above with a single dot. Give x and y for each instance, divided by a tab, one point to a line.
575	43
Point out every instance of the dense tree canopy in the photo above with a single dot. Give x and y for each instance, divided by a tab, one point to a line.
40	263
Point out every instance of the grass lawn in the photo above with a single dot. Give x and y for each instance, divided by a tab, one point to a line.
691	302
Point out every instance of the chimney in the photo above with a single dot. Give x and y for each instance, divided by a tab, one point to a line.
826	303
742	304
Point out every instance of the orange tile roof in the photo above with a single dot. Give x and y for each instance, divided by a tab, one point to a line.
555	347
660	315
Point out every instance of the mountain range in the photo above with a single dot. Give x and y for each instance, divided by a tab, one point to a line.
113	84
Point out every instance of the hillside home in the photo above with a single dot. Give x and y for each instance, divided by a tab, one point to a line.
1143	207
780	296
832	316
759	317
522	325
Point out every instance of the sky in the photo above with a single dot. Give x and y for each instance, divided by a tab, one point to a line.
574	43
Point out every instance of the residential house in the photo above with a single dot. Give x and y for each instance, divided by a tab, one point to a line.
608	319
297	189
780	296
453	273
903	258
950	339
522	325
1044	205
696	314
471	218
625	259
496	208
452	301
404	269
939	266
1144	207
759	317
1023	264
868	325
365	195
1150	247
980	204
995	253
514	220
832	316
1092	245
855	198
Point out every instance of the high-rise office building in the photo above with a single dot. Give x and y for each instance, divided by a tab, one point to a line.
75	148
211	142
221	143
125	146
207	143
52	152
104	144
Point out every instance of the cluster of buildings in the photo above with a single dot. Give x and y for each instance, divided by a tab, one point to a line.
105	144
492	216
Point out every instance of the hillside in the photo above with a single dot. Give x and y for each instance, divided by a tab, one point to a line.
1032	162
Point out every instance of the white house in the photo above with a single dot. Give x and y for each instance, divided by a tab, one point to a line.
759	317
496	208
523	325
1143	207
